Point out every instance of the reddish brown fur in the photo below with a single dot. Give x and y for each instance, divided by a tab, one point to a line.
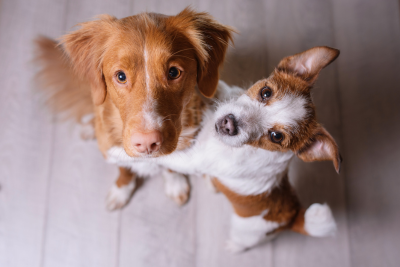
99	49
282	203
125	177
190	41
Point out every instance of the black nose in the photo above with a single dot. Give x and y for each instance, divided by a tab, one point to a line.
227	125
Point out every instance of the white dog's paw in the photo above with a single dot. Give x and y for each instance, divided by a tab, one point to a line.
176	187
119	196
233	247
209	183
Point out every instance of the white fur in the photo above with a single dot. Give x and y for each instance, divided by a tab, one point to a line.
151	120
319	221
176	186
210	185
256	119
146	57
119	196
247	232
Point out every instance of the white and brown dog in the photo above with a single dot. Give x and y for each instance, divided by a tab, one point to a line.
138	77
248	142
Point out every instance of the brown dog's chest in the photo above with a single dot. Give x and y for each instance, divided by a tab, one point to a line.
282	203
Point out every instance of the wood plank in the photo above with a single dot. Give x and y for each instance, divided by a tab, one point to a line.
369	37
293	27
245	64
26	133
80	231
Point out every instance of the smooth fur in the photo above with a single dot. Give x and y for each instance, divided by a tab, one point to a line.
79	75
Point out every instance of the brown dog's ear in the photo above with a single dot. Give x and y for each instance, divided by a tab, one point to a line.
85	48
308	64
210	40
321	146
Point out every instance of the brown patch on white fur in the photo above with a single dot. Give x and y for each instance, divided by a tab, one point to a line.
282	203
294	77
125	177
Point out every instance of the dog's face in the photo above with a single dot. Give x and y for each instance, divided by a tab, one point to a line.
148	65
278	114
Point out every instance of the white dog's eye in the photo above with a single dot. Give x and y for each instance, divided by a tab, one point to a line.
276	137
265	93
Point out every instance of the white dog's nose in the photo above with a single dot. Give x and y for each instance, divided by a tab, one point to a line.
227	125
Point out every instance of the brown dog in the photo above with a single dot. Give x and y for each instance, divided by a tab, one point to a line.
138	76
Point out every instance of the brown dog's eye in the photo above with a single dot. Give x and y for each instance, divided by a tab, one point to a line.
276	137
174	73
265	93
121	77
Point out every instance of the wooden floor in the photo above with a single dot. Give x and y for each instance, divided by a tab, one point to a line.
53	185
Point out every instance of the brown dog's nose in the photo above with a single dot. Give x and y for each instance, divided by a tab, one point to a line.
227	125
147	142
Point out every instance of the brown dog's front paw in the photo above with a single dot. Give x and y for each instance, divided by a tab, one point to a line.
118	197
177	187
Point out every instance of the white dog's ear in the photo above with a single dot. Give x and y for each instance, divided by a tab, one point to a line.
210	40
321	146
308	64
85	48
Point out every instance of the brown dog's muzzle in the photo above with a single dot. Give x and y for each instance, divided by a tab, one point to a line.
147	143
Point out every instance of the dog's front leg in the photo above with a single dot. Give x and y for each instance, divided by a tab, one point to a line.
122	189
176	186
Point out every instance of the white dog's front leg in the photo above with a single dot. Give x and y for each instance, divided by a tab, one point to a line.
176	186
247	232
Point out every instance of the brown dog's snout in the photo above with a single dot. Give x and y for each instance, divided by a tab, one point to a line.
227	125
147	142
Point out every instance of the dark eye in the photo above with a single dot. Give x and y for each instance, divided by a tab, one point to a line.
276	137
174	73
265	93
121	77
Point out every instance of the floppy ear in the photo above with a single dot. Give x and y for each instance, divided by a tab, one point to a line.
210	40
321	146
308	64
85	48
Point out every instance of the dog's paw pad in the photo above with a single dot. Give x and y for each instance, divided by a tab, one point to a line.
233	247
118	197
